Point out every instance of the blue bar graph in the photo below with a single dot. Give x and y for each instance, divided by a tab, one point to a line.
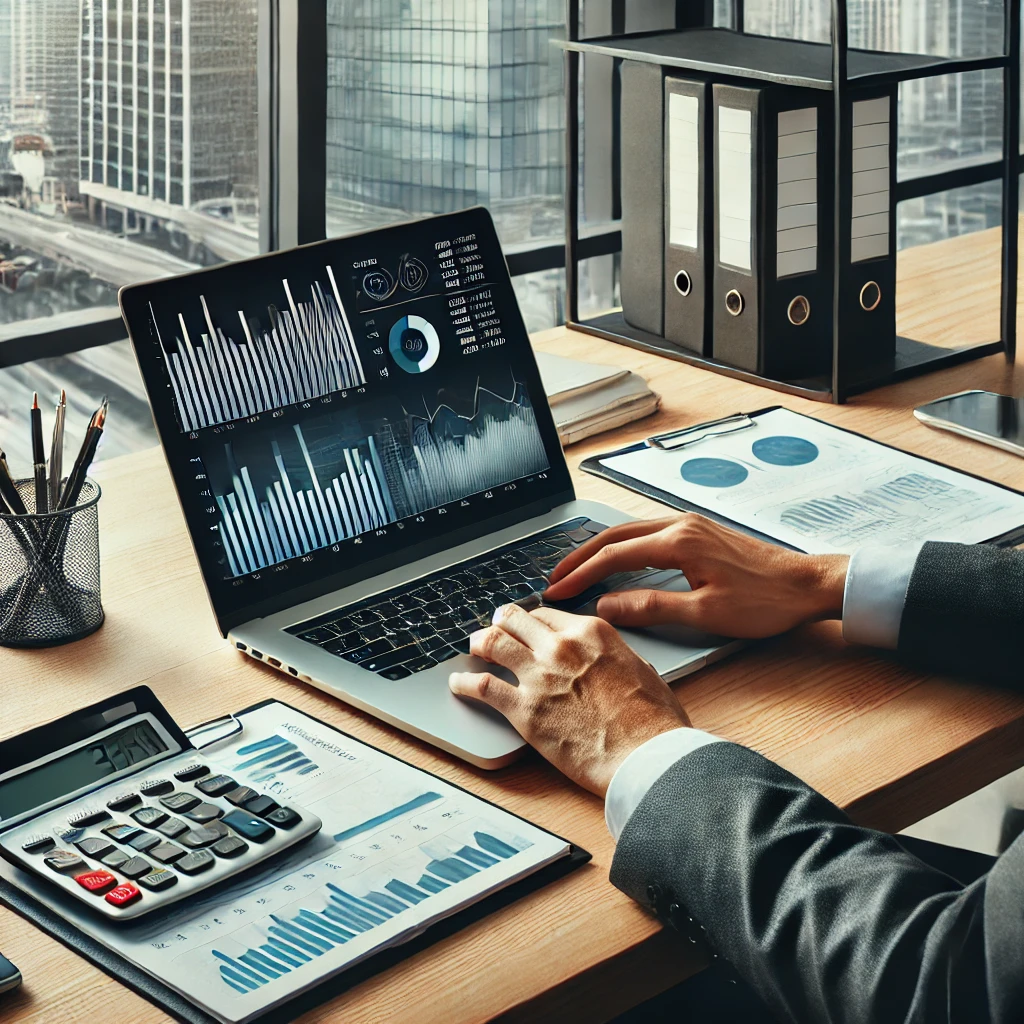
301	937
396	812
272	757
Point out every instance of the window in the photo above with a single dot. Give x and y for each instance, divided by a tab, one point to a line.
107	174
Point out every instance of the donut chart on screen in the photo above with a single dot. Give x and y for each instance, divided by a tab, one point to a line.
414	344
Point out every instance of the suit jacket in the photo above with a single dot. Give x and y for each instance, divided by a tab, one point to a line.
826	920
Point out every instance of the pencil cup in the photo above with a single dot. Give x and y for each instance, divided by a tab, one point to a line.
50	572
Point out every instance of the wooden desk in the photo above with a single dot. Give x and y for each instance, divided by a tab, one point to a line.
885	742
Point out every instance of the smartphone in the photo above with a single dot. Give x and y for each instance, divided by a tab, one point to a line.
10	976
993	419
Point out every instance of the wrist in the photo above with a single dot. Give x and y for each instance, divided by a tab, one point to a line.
827	585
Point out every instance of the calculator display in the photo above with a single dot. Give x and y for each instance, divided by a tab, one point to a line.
69	772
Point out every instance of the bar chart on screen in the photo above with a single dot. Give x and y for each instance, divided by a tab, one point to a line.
293	355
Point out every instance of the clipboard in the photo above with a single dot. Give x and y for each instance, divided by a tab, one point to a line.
595	467
181	1009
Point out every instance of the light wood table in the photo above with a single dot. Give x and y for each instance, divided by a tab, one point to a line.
887	743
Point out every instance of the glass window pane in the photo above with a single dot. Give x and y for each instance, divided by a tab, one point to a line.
129	181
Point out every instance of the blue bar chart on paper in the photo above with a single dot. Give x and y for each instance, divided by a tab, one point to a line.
274	756
341	913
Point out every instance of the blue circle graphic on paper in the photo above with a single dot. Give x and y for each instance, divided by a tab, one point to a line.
785	451
414	344
713	472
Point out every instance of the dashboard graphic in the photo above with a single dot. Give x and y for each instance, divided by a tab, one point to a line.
286	497
306	351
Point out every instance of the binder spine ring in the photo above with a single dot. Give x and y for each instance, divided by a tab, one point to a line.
683	283
799	310
870	296
734	302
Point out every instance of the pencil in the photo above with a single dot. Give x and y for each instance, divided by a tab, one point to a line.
76	479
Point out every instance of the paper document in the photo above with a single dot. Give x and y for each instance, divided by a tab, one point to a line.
399	850
824	490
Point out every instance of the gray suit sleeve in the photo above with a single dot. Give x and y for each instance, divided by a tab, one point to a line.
828	921
964	612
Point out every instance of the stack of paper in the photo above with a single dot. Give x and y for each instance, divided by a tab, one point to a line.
587	398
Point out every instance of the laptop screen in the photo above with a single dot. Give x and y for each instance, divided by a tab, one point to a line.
337	409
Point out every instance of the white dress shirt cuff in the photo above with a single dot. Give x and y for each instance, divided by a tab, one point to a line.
876	590
644	766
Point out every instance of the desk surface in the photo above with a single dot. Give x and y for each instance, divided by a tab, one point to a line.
887	743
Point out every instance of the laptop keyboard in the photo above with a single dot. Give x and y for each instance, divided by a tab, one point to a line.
422	623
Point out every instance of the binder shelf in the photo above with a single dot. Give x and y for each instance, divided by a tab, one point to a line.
757	196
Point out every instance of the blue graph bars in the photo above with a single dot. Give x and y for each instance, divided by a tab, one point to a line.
308	351
274	756
396	812
300	938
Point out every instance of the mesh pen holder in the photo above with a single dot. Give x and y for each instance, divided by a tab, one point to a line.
50	572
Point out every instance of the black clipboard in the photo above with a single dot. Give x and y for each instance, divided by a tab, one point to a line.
594	466
182	1009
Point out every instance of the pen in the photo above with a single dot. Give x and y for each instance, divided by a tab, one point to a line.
76	479
57	451
9	491
39	456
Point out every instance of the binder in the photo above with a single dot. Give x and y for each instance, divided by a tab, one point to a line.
642	194
771	299
688	221
868	305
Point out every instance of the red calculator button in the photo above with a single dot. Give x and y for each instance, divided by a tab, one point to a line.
123	895
98	882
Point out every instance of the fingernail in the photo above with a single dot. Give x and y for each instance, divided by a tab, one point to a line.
498	615
454	679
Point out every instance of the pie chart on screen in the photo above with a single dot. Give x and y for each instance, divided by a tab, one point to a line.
414	344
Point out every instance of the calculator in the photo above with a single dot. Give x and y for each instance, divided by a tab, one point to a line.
114	805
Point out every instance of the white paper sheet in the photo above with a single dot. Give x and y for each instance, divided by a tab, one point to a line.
824	490
392	836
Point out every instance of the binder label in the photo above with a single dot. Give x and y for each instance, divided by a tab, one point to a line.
734	194
684	170
796	234
870	223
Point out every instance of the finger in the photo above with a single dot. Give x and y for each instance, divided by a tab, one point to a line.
487	688
624	531
495	645
624	556
649	608
521	625
556	619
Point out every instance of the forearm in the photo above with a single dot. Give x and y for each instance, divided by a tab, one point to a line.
828	921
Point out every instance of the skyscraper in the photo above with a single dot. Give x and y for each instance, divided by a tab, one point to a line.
435	106
168	105
6	59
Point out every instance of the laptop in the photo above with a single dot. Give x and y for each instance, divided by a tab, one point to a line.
368	466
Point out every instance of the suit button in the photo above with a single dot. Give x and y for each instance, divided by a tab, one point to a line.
654	895
675	916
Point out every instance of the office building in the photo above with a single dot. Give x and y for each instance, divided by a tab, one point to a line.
5	61
168	106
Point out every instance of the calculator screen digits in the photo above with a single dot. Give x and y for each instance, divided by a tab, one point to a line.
105	756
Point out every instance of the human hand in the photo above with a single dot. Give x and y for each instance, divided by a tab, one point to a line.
584	699
740	586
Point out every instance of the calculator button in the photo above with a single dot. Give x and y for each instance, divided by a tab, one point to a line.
240	795
231	846
121	833
247	826
149	816
136	867
216	785
65	862
283	817
124	894
93	846
98	882
204	813
115	859
166	853
179	801
123	802
172	828
144	841
261	805
191	771
159	879
82	819
156	786
194	863
199	837
39	844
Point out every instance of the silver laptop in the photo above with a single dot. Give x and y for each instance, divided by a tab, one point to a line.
368	466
